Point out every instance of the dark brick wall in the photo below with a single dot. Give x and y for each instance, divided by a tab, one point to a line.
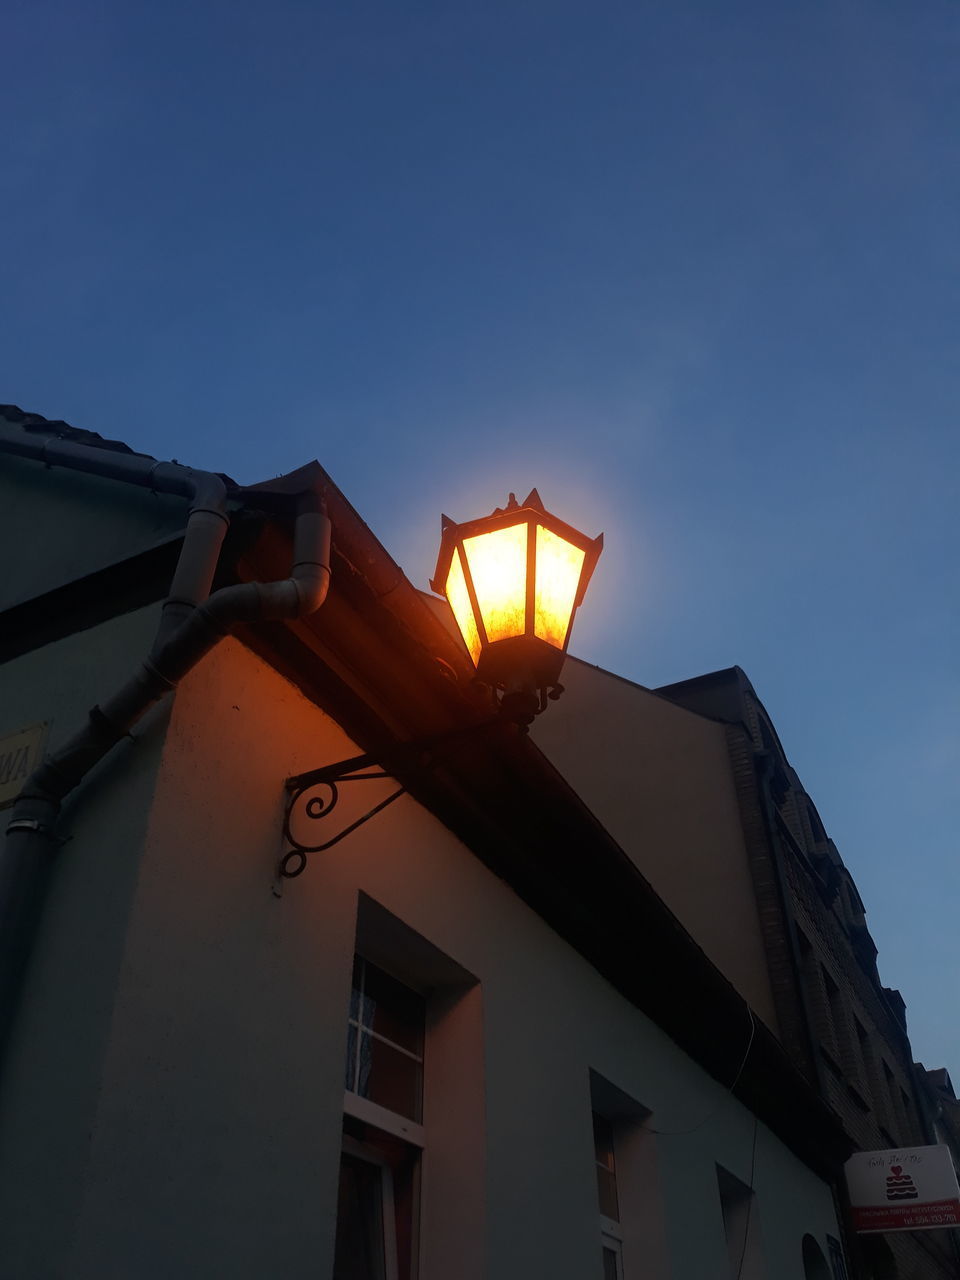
865	1065
840	1026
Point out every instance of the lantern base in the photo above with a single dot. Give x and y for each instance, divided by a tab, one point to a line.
520	662
522	671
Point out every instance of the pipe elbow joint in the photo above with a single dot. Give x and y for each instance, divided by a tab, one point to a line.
312	582
205	489
240	603
209	494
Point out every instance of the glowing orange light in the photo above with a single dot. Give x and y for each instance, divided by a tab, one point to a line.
455	589
514	581
498	566
559	565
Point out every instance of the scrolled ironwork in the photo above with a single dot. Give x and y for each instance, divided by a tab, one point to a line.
317	807
304	805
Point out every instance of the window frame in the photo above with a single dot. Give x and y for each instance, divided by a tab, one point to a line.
373	1112
447	1190
355	1105
836	1258
613	1244
391	1122
381	1119
611	1230
370	1155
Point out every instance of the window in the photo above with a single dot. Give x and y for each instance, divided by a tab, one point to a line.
739	1226
837	1264
898	1108
385	1042
612	1259
816	826
866	1055
631	1223
606	1168
836	1016
414	1100
813	977
814	1263
633	1242
365	1250
611	1240
379	1184
380	1160
893	1098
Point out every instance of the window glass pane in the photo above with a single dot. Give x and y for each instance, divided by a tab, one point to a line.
603	1140
389	1078
350	1072
606	1169
393	1010
359	1253
355	990
837	1264
363	1066
607	1191
611	1270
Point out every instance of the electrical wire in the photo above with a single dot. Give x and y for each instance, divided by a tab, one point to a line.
677	1133
674	1133
746	1225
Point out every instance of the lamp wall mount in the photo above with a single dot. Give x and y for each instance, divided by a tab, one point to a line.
315	794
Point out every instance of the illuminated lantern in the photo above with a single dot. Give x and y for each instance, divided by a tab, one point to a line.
514	580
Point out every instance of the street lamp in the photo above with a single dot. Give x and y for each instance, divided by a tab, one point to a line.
514	580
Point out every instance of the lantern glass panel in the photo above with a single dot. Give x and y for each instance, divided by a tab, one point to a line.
559	565
498	567
456	591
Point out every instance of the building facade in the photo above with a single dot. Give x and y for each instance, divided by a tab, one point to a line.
942	1107
498	1030
846	1030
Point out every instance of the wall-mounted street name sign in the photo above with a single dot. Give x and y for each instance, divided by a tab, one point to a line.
911	1189
19	755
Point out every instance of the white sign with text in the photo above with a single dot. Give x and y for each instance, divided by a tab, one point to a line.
910	1189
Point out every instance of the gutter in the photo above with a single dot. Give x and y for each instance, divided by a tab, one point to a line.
192	622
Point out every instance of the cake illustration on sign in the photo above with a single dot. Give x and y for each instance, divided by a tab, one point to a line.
900	1185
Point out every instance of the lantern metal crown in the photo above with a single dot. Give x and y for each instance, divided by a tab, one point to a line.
514	581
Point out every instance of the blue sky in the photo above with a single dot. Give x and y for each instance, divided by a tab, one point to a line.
690	268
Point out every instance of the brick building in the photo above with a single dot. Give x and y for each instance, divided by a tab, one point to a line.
943	1107
845	1029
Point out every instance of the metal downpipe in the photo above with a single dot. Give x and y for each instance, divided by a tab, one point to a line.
191	625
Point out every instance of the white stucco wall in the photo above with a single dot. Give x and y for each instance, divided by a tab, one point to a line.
214	1146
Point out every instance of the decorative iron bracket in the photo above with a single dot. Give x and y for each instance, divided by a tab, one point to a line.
365	768
331	777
